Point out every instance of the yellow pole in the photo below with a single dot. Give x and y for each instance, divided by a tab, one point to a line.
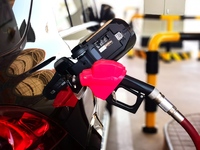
130	53
158	38
170	25
170	20
153	46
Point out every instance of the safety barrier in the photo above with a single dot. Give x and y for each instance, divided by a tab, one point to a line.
152	68
169	20
177	56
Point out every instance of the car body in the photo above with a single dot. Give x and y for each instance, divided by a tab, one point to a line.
21	86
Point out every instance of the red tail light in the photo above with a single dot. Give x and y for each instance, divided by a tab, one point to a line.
22	128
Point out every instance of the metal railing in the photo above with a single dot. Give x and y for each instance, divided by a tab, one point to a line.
152	68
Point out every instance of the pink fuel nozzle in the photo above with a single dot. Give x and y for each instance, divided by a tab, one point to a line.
103	77
106	76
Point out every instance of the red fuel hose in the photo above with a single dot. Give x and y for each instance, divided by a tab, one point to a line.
192	132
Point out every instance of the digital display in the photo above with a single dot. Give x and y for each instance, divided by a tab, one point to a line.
103	43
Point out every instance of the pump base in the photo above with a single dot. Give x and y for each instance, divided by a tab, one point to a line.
150	130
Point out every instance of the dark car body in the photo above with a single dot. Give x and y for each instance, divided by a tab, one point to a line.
21	50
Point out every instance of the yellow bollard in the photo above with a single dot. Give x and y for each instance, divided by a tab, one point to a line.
130	53
153	46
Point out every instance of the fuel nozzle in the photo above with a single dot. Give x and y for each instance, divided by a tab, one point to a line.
105	77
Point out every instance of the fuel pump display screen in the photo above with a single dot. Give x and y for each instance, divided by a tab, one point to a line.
103	43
